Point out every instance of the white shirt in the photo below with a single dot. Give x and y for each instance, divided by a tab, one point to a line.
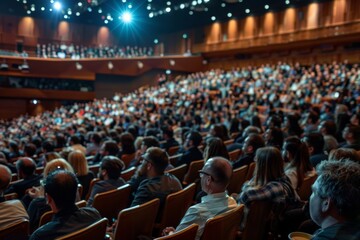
210	206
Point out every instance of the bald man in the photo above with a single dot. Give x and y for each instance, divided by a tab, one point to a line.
10	211
215	177
26	171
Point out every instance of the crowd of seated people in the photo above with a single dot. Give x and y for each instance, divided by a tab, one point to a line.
284	117
72	51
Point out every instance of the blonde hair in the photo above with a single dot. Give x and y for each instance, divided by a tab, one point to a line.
55	164
78	161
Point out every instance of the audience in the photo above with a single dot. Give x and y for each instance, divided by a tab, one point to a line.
60	187
191	149
109	174
296	154
334	203
12	210
26	171
215	177
157	183
79	163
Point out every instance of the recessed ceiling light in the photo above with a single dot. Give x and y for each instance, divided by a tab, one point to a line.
191	12
287	2
182	6
229	15
247	10
213	18
266	6
168	9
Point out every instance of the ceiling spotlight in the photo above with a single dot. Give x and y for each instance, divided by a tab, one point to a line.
156	41
168	9
77	14
28	12
191	12
126	17
57	5
34	101
168	3
79	4
182	6
247	10
151	15
213	18
78	66
266	6
287	2
223	5
185	36
110	65
229	15
168	72
42	9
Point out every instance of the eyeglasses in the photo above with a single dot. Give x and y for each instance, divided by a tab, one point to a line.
202	173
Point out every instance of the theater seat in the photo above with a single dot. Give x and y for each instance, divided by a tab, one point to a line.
193	172
237	180
188	233
18	230
95	231
179	171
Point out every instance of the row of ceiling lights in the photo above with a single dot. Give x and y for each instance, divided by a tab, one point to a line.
126	16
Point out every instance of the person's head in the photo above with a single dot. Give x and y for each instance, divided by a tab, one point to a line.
49	156
60	189
215	147
218	131
79	163
330	143
5	178
74	139
25	167
149	142
336	193
29	150
109	148
355	119
351	134
127	143
57	164
110	168
274	121
296	153
344	153
252	143
269	166
95	138
315	143
155	161
327	127
274	137
48	146
14	146
193	139
215	175
167	133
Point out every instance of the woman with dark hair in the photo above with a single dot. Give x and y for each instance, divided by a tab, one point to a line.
299	167
270	183
220	131
292	126
215	147
274	137
127	144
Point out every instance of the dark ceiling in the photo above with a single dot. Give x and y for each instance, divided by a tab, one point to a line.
155	15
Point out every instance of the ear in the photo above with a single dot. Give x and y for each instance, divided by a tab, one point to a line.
325	205
250	148
311	149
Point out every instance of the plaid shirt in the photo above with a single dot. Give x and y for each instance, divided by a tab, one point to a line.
273	191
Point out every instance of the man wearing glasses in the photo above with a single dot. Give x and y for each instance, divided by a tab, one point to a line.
157	184
215	177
